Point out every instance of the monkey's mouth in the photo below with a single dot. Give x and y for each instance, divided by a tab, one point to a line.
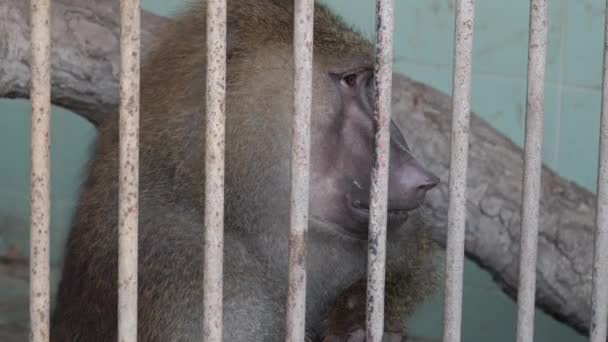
393	215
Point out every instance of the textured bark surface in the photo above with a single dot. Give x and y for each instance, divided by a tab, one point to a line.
567	211
85	53
85	80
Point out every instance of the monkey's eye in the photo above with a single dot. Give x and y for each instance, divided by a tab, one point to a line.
350	80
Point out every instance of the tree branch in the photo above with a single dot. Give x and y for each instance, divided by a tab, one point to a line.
85	80
85	53
494	188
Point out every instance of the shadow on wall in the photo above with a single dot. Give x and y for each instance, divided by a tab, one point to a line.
12	229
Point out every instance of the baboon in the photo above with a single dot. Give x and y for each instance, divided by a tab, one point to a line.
259	104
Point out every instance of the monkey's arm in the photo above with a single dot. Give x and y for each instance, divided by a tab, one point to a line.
346	319
253	300
170	283
412	276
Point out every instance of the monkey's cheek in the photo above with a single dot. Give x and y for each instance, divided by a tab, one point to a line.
396	221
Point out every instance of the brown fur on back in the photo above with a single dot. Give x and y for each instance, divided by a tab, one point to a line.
258	103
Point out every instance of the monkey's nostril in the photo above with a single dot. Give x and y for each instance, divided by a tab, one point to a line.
422	189
426	187
430	183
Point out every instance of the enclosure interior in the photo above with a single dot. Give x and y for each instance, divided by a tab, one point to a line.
423	51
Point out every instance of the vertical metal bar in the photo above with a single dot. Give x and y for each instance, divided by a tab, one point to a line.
300	168
129	170
532	170
214	170
461	107
40	181
599	297
376	254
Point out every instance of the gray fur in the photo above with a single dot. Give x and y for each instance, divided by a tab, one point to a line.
258	107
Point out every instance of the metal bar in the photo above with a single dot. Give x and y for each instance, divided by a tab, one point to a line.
461	107
40	181
300	168
532	170
128	219
599	296
376	254
214	170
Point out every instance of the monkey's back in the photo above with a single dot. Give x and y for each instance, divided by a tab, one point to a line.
171	199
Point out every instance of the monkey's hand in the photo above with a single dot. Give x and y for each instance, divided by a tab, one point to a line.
359	336
346	319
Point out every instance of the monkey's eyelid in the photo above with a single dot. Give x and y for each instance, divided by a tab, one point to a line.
334	76
345	79
349	80
357	71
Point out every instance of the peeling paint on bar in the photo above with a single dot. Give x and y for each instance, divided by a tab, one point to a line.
300	168
376	255
599	297
214	170
532	170
129	170
40	181
461	107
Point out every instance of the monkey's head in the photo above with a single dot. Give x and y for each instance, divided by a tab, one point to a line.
342	128
343	151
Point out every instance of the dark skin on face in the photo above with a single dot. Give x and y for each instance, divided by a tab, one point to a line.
341	171
343	190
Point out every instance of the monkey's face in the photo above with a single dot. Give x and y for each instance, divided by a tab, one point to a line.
342	155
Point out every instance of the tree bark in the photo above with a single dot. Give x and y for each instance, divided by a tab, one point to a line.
85	53
85	80
494	188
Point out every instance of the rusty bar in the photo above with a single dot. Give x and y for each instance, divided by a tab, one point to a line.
40	181
532	170
300	168
599	296
461	107
214	170
376	254
129	169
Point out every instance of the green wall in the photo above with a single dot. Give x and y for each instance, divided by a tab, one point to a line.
423	50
